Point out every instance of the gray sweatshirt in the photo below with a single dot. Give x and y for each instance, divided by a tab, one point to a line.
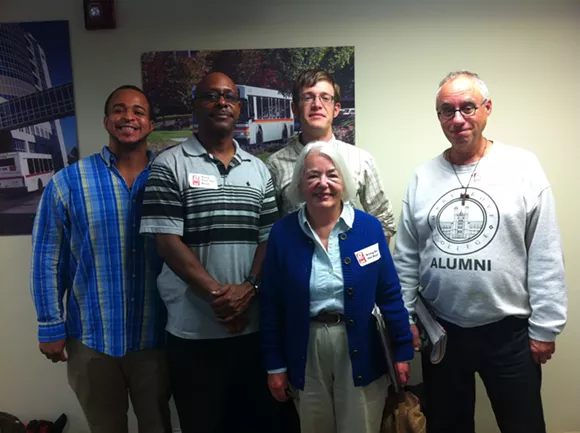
499	254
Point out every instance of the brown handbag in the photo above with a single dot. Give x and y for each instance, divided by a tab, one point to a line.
402	413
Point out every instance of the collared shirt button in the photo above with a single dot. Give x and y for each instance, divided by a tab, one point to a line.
355	352
359	378
350	291
350	322
347	261
342	236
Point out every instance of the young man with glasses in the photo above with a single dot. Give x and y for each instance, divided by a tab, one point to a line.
316	102
478	233
210	206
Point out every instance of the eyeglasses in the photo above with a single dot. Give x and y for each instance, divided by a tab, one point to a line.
230	97
308	98
466	110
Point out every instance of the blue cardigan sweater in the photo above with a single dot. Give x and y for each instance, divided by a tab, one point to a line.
285	300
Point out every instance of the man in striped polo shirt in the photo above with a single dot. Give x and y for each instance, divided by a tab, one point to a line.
211	206
86	245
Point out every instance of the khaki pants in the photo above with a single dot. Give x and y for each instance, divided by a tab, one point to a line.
330	403
104	383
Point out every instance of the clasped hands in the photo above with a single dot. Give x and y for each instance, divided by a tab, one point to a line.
230	304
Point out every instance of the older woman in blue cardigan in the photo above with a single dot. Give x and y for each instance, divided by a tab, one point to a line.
326	267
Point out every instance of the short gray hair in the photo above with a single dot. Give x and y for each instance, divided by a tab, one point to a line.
326	149
472	75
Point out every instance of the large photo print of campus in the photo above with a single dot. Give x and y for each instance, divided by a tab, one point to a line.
38	131
264	78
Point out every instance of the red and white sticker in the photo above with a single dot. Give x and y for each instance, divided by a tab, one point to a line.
368	255
206	181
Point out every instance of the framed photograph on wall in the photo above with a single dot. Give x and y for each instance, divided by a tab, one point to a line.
38	131
264	78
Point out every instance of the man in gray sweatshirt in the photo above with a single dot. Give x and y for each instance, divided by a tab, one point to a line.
478	238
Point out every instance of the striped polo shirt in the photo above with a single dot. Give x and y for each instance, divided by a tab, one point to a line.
221	213
93	277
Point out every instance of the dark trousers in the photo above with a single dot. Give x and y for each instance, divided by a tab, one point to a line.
287	417
500	353
220	386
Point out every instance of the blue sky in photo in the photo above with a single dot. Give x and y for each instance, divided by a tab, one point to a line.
53	37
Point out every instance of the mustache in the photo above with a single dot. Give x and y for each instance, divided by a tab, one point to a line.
222	112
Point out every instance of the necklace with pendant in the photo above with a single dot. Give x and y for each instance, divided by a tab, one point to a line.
464	196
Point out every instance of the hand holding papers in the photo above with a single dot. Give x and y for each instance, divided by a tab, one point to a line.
436	335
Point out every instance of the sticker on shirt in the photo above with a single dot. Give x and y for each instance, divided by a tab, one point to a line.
206	181
368	255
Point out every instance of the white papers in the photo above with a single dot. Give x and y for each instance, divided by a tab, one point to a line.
435	332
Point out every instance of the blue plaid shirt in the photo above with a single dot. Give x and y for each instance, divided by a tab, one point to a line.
86	243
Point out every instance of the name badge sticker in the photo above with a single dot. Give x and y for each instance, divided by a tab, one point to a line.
368	255
206	181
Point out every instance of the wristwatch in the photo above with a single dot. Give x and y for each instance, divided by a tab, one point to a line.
255	282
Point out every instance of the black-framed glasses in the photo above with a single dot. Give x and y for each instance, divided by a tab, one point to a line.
229	97
308	98
467	110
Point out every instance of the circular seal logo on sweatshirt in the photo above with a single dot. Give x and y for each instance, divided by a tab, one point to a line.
463	225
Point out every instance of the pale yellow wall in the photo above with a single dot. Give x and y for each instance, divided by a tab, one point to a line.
528	53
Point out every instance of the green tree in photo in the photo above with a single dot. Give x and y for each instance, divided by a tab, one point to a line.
278	68
168	78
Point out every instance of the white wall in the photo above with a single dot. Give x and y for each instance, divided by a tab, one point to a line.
528	53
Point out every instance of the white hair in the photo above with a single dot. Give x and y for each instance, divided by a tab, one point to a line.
326	149
471	75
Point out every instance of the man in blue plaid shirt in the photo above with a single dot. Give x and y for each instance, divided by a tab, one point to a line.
86	244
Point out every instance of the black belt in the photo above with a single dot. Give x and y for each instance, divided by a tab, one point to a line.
328	318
